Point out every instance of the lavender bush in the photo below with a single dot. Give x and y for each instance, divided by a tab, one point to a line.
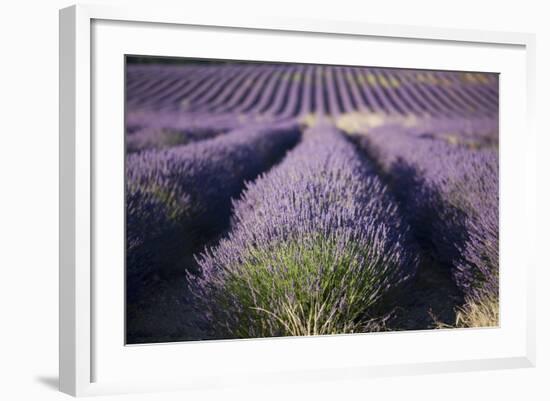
450	195
178	197
315	245
158	138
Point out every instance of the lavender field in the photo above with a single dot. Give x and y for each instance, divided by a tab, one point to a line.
270	199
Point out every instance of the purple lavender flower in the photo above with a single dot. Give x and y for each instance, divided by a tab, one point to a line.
158	138
315	245
450	195
179	197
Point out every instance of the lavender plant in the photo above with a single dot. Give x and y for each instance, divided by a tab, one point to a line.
450	195
316	243
179	197
158	138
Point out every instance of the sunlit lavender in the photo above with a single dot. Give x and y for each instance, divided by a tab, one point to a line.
315	244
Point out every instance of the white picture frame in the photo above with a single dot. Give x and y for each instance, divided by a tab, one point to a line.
82	343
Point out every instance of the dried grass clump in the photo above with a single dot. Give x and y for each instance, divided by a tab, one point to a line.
484	313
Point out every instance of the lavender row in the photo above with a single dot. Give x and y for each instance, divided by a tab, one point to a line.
156	130
450	194
296	90
471	133
316	244
137	120
179	197
159	138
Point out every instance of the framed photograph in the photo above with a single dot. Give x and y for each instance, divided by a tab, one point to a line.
271	200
